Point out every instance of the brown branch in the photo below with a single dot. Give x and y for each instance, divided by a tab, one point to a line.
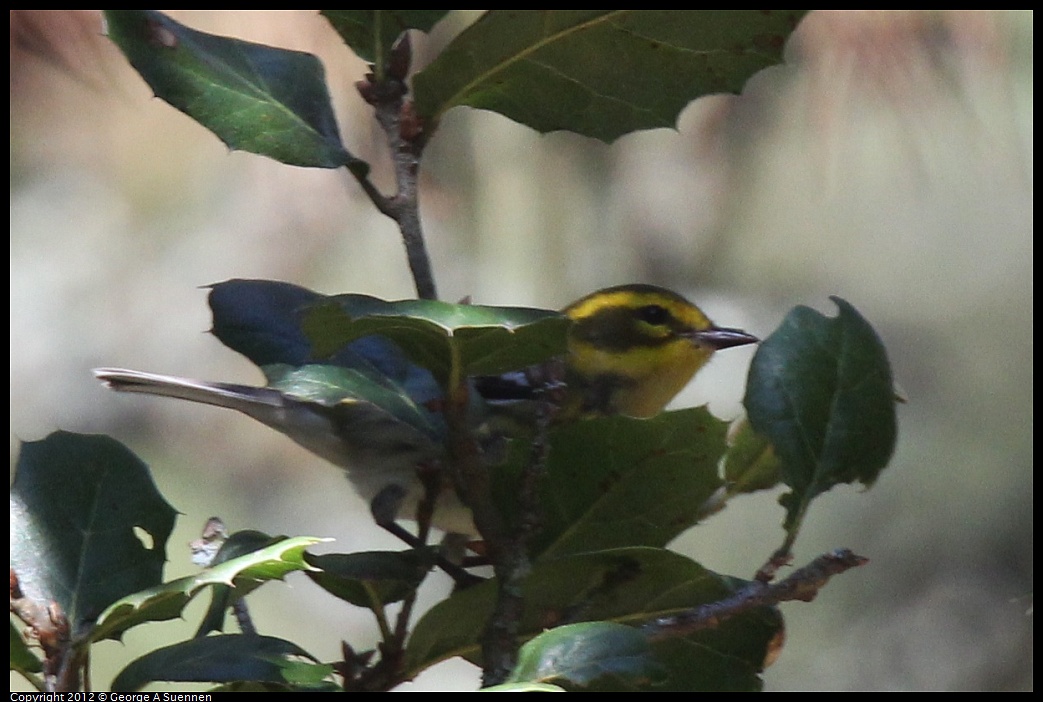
802	585
49	625
406	137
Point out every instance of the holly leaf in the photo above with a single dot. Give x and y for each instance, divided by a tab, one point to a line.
222	597
245	573
452	341
88	525
225	658
616	481
370	579
820	389
750	464
621	586
601	73
358	400
588	655
24	661
255	98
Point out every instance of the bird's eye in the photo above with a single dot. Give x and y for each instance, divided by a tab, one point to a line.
653	314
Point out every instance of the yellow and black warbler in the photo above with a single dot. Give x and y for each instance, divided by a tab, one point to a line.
631	348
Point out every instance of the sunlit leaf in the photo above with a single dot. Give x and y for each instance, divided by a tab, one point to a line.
358	400
445	338
222	597
168	601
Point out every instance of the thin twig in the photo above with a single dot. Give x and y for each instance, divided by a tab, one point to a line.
803	585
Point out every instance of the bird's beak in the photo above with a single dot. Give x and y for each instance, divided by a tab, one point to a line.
718	338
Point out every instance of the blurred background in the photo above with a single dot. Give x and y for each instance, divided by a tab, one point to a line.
888	162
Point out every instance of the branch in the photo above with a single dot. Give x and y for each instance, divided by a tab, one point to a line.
803	585
406	137
511	561
49	625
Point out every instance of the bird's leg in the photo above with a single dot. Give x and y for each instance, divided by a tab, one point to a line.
548	380
430	475
384	508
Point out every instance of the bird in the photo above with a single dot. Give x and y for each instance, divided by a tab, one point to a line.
371	411
632	348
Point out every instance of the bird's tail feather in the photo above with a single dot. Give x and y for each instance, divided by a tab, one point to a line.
243	398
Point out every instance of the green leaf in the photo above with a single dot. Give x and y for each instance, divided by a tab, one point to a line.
255	98
448	339
226	658
821	390
88	525
361	399
308	675
601	73
371	33
523	687
728	659
168	601
222	596
625	586
750	464
370	579
589	654
23	660
617	481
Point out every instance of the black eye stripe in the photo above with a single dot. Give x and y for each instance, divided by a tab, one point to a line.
653	314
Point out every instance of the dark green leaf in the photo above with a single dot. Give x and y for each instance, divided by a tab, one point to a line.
252	686
167	601
255	98
450	340
821	390
242	543
618	481
226	658
695	665
358	398
370	579
584	655
602	73
626	586
524	687
88	525
370	33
